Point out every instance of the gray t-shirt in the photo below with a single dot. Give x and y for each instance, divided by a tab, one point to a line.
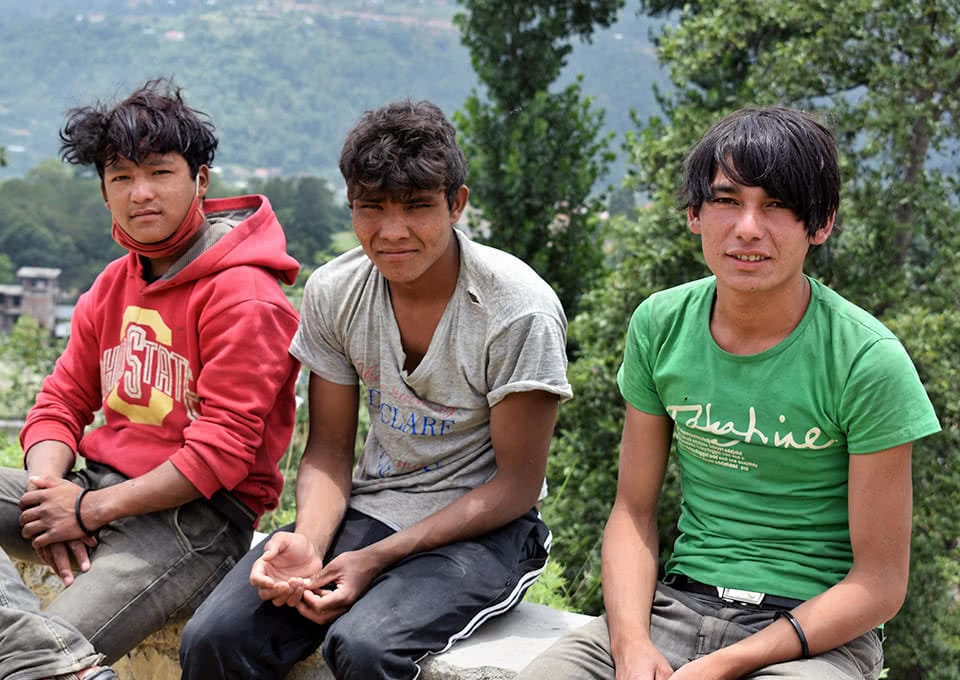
503	331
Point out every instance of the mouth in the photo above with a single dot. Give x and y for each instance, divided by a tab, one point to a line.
749	258
144	213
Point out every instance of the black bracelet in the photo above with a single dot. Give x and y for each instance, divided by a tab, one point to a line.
804	647
76	511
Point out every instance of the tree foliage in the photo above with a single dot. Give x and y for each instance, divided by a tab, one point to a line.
883	75
535	155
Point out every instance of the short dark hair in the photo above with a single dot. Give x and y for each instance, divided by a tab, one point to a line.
786	152
400	148
154	119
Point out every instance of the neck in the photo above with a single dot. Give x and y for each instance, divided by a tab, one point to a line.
743	323
437	284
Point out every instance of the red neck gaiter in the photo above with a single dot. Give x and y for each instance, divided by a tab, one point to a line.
173	244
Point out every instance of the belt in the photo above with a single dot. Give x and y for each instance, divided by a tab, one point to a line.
745	597
233	509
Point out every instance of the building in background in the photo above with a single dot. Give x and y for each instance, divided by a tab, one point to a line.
34	294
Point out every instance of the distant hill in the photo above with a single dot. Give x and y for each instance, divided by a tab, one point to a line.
282	80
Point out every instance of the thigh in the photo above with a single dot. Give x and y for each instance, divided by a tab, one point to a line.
148	570
426	602
13	484
859	659
584	653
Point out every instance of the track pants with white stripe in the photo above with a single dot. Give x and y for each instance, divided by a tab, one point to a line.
419	606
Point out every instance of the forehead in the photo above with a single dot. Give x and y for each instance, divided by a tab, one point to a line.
723	184
169	159
396	195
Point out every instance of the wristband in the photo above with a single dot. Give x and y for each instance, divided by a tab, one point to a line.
76	511
804	647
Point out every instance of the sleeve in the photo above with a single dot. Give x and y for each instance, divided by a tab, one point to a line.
635	377
247	375
70	395
316	344
884	403
528	354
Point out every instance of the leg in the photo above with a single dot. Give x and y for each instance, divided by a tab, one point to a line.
147	570
235	634
427	601
32	644
584	653
859	659
13	484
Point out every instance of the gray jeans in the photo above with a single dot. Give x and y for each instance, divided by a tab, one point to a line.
35	645
686	626
146	571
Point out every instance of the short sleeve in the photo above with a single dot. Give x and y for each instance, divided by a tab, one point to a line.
317	343
884	403
528	354
635	377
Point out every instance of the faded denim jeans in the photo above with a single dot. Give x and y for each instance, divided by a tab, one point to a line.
146	570
35	645
686	626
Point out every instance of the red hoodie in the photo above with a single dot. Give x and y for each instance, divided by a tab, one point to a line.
191	368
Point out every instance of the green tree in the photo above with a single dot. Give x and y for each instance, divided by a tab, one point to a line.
27	355
883	76
535	155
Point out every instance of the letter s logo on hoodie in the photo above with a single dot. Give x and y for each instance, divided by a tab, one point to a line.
147	376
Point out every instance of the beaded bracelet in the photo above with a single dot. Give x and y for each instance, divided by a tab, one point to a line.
804	647
76	511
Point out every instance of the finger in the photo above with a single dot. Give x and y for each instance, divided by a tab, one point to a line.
80	555
61	562
90	541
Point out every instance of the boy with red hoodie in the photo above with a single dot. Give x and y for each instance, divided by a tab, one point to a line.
182	344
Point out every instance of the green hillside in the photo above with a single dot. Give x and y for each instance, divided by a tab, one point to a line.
282	80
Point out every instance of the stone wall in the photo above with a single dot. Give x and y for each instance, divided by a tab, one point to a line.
496	651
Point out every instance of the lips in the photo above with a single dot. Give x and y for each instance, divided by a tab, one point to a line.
144	213
748	257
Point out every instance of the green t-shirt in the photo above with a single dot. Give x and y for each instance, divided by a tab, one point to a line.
763	439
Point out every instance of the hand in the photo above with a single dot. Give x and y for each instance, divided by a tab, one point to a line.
642	661
350	574
47	512
57	555
281	574
705	668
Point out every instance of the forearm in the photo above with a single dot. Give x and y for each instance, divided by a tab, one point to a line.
49	458
162	488
323	490
629	574
477	512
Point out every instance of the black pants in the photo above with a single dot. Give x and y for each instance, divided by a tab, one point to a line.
420	605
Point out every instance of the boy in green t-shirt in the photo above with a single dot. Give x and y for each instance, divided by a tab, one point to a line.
793	412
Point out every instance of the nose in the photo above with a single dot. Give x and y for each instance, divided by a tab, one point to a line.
393	226
749	224
142	191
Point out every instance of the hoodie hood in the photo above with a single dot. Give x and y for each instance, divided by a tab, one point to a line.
241	230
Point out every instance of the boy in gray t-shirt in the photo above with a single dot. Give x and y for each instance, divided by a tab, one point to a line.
461	350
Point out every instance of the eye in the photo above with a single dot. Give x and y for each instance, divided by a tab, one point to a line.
119	178
722	200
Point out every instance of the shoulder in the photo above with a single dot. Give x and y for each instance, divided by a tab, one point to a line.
343	274
846	317
677	305
505	284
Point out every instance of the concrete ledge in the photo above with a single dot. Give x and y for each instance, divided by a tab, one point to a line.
499	649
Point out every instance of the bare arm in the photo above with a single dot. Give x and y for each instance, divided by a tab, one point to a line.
880	504
631	546
289	560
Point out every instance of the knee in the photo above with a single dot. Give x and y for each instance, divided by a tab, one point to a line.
205	640
354	652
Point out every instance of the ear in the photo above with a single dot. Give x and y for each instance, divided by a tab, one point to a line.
693	219
203	173
459	203
823	232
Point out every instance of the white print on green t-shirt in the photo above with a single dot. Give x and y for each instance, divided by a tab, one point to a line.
780	439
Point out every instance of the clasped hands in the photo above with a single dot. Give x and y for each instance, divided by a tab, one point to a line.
48	520
291	573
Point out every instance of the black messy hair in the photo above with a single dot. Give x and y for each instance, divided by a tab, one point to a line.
400	148
154	119
786	152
